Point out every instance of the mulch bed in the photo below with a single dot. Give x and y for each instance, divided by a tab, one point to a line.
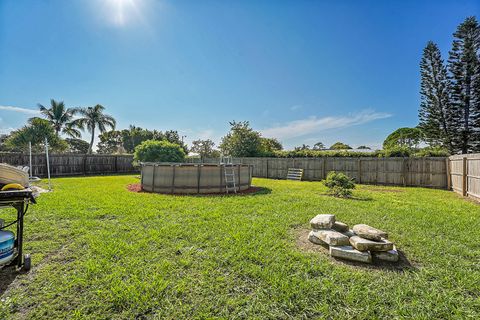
137	187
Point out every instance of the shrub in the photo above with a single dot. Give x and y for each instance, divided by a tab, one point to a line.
339	184
432	152
159	151
321	153
397	151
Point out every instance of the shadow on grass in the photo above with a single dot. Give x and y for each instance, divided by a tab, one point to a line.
7	276
252	191
402	265
348	198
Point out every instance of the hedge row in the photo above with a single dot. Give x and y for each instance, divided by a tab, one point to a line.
398	152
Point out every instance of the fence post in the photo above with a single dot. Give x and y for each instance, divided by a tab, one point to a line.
116	165
448	170
85	165
267	169
464	177
404	171
359	170
324	168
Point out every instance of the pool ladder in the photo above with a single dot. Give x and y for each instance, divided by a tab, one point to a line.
229	170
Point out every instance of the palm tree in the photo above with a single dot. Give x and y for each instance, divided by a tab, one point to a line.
93	117
60	118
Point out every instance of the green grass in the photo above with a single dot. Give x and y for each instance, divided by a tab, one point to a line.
100	251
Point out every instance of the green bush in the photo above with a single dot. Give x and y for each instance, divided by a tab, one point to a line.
432	152
339	184
396	151
159	151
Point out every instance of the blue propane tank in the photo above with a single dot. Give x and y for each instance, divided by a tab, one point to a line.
7	240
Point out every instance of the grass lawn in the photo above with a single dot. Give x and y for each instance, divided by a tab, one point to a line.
100	251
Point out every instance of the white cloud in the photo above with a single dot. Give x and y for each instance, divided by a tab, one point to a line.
20	110
205	134
6	130
314	124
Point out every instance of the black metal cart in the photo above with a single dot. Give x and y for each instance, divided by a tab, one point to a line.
20	200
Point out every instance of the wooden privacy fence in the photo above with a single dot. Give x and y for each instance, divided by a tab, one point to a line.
72	164
464	175
418	172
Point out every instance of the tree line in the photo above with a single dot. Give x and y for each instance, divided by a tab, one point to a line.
58	119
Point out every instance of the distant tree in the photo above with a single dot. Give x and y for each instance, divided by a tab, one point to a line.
464	67
319	146
204	148
173	137
77	145
111	142
302	147
93	117
270	145
435	111
364	148
126	140
3	139
241	141
134	136
60	117
404	138
340	146
36	131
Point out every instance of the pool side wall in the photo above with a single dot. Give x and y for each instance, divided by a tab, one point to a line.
192	178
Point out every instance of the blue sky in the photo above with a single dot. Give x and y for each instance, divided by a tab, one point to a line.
301	71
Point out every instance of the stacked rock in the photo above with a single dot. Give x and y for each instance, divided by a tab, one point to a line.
357	244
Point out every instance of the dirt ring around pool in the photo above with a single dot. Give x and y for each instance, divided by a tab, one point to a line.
253	190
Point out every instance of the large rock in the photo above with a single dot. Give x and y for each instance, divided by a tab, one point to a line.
314	239
362	244
323	221
340	226
367	232
349	233
350	253
330	237
390	256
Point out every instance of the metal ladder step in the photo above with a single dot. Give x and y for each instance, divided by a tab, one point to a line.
229	174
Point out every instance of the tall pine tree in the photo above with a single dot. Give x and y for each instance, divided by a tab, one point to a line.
464	67
435	109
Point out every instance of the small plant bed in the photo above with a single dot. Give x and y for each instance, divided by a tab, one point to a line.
339	185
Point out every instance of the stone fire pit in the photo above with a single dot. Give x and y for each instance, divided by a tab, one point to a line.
361	243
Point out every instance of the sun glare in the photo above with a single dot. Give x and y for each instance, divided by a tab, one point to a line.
120	12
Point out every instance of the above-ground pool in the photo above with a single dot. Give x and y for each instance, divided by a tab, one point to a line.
192	178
